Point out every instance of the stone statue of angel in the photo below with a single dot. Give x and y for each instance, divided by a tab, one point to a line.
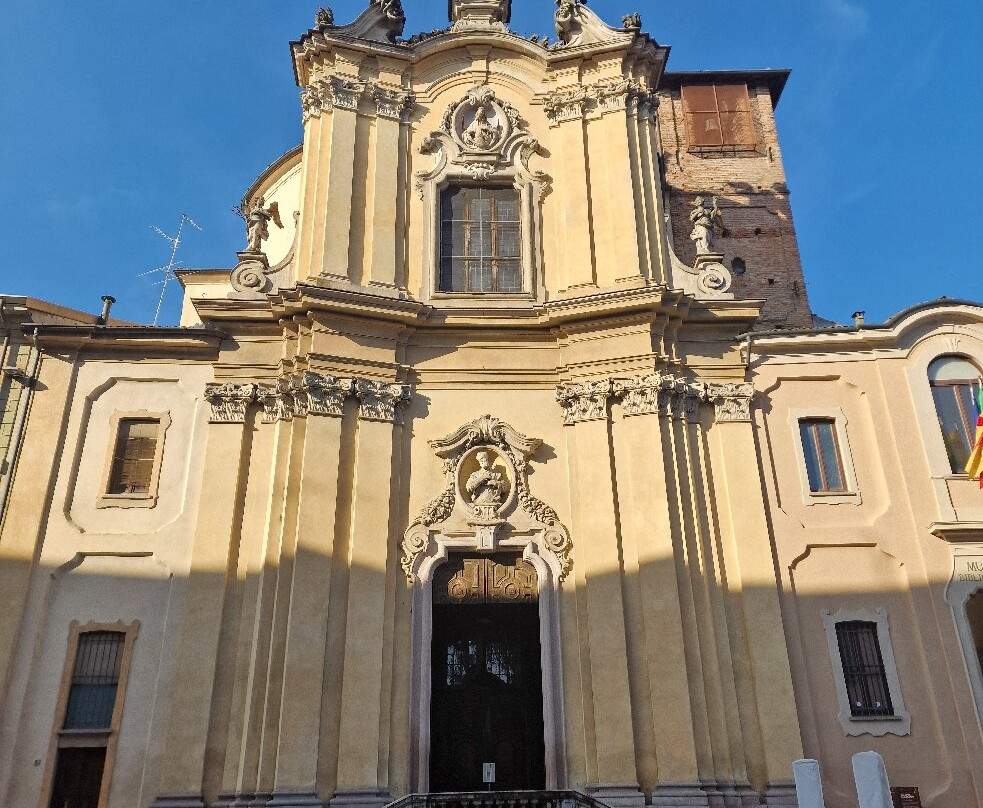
704	221
258	223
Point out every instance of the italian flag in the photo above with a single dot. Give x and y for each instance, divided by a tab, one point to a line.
975	463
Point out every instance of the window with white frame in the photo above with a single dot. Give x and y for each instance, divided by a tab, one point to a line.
866	677
955	383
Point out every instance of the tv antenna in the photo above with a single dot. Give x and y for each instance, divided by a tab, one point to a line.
167	270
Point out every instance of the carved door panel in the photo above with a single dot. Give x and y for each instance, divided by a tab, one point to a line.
487	704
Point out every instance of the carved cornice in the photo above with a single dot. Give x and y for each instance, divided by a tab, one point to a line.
584	401
732	401
381	401
229	401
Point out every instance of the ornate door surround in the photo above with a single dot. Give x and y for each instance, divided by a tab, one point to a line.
485	507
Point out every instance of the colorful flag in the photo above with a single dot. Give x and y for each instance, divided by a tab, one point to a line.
975	463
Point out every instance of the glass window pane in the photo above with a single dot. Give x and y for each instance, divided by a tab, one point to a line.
736	129
509	276
732	98
507	205
952	368
480	209
479	236
704	129
699	98
507	242
479	276
810	450
955	429
829	456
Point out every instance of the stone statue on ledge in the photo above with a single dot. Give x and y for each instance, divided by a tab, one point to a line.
324	16
258	224
704	221
486	486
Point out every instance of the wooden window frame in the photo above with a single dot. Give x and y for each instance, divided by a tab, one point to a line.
62	738
899	723
492	258
719	148
147	499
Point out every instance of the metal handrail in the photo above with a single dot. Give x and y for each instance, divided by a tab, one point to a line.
499	799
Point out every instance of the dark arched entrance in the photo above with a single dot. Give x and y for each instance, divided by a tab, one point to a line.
487	699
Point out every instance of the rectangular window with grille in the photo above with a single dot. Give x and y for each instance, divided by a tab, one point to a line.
824	464
133	456
863	669
718	115
480	240
92	695
86	728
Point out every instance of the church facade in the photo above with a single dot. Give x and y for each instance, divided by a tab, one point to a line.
508	457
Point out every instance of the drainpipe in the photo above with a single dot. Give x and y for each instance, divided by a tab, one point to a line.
16	437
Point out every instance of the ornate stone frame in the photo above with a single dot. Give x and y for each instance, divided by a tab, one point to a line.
148	500
897	724
448	525
504	163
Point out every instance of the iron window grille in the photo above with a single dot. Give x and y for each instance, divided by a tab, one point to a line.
863	669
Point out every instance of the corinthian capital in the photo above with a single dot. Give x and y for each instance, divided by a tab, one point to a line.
319	394
395	104
229	401
732	400
380	401
584	401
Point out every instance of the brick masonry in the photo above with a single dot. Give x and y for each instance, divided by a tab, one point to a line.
754	204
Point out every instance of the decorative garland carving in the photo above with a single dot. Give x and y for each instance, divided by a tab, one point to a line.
229	401
486	482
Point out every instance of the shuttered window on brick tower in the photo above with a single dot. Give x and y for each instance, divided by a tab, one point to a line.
133	456
718	115
863	669
480	240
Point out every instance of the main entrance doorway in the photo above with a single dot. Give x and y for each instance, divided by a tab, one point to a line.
487	699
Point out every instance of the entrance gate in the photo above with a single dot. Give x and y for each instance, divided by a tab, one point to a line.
487	691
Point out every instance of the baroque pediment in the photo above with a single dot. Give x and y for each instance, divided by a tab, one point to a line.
486	492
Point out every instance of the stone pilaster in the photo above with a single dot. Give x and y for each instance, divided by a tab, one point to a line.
215	541
644	470
752	589
319	402
611	761
373	567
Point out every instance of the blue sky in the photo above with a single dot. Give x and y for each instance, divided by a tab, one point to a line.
122	115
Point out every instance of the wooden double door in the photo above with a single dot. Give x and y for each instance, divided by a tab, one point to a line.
487	690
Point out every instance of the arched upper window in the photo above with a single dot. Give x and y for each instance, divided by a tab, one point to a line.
955	383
